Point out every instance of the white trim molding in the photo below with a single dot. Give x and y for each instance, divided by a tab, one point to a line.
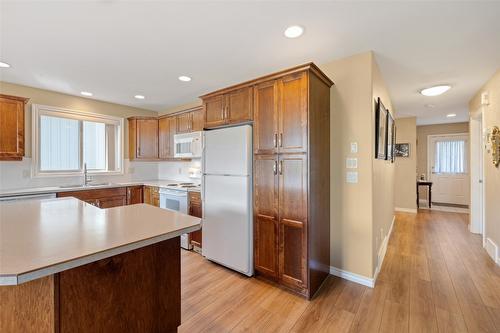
361	279
492	250
383	249
406	210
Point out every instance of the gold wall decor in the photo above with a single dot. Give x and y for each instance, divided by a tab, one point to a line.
495	145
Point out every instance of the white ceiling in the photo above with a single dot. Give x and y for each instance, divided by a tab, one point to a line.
119	49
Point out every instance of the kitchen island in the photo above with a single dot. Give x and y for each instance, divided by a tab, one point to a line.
67	266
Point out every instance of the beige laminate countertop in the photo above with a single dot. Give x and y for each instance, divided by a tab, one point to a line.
44	237
56	189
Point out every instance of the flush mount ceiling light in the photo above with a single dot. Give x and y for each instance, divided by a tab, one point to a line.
86	93
430	106
435	91
184	78
451	115
139	96
294	31
4	65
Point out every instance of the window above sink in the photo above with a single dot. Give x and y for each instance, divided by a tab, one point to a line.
64	140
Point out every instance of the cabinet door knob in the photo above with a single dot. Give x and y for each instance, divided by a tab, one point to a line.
275	140
275	167
280	141
280	167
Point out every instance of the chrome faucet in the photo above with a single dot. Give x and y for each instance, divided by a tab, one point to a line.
86	178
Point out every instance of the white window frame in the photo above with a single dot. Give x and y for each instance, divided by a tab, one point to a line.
39	110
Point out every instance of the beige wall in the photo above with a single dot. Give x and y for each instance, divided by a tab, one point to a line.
354	242
491	117
52	98
406	167
351	227
383	172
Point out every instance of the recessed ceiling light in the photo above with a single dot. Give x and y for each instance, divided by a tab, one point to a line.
184	78
294	31
4	65
139	96
451	115
435	91
430	106
86	93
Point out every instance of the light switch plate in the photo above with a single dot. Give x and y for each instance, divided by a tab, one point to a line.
354	147
352	177
351	163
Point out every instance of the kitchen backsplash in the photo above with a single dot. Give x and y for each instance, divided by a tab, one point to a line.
17	174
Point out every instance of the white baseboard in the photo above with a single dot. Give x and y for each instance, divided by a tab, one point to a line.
383	250
361	279
492	250
406	210
365	281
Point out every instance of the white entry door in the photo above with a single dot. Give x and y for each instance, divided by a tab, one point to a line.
448	168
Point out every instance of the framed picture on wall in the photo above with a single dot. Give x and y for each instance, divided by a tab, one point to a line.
402	150
394	144
380	130
390	137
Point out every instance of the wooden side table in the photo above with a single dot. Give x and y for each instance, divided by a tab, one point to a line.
429	185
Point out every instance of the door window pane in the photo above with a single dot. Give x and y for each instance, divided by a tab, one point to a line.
94	145
59	144
450	157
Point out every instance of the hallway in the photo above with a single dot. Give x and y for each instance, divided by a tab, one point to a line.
436	277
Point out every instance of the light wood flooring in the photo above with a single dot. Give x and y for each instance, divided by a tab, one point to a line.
436	277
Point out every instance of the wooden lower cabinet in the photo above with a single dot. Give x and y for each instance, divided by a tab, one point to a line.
152	195
280	219
134	194
195	209
266	215
102	198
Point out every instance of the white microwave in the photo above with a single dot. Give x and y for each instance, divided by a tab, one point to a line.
188	145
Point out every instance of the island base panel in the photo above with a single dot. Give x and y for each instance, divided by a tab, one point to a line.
137	291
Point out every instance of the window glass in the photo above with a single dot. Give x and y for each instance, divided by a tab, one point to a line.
450	157
94	145
59	144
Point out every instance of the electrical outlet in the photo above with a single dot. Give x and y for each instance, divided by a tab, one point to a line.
26	174
131	170
180	171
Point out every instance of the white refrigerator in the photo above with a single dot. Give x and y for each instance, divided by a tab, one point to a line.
227	198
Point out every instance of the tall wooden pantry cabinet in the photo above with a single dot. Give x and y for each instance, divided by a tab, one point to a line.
291	134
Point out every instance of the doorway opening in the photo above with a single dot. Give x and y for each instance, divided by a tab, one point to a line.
476	223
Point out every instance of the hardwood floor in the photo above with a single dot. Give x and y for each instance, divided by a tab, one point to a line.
436	277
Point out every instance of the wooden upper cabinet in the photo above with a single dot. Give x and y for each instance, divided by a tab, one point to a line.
266	215
293	106
197	119
238	105
233	107
12	127
184	122
164	146
214	111
143	138
266	118
293	188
